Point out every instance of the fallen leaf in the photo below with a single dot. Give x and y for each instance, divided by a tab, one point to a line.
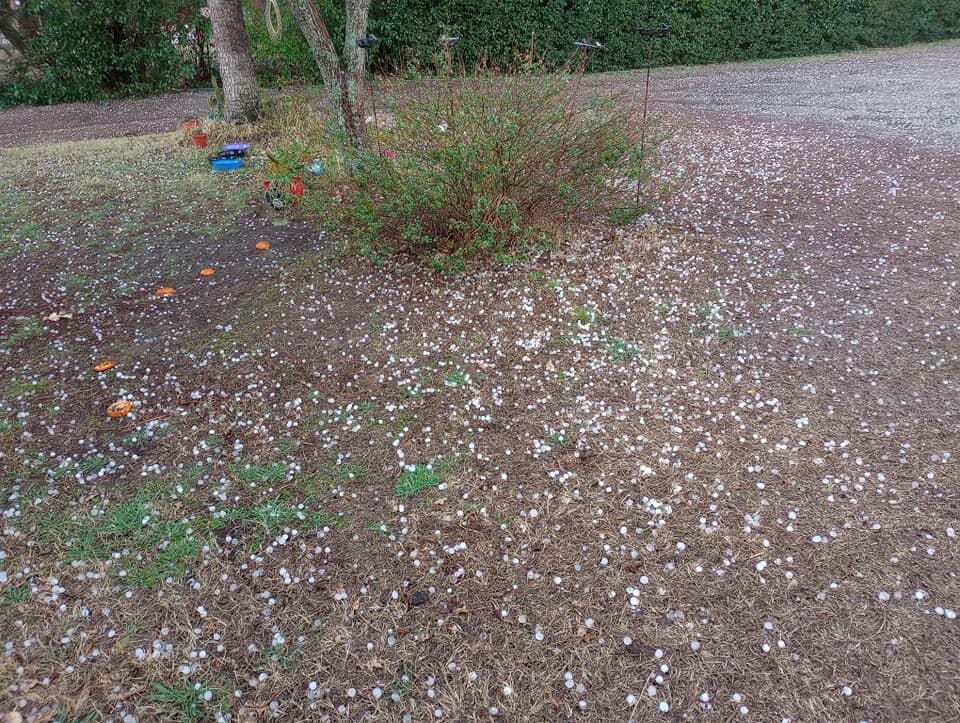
371	664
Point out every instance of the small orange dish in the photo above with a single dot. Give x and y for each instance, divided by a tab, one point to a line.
165	291
105	366
120	408
263	245
206	272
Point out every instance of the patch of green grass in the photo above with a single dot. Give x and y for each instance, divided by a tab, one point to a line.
27	328
188	701
379	528
175	552
93	464
286	445
167	548
559	440
665	307
141	437
711	312
213	441
26	230
72	282
457	378
376	325
127	637
267	519
799	331
726	334
18	387
403	684
622	350
272	473
585	315
25	238
15	595
414	480
351	472
273	515
6	426
282	656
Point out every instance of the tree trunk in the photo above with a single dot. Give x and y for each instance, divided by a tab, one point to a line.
343	81
354	59
240	89
16	25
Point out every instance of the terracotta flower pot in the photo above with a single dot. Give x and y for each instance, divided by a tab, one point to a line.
199	140
189	124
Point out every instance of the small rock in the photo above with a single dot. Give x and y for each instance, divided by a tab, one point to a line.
419	597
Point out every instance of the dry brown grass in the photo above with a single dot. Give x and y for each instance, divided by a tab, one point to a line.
688	429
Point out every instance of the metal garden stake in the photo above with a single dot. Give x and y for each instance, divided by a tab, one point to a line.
447	42
588	48
650	34
369	43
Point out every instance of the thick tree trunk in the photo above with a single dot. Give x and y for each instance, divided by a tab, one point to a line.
241	92
16	25
343	82
354	58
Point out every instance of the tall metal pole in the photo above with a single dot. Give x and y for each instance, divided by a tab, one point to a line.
369	43
648	33
587	49
643	125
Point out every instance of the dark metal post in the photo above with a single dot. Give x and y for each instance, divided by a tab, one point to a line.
369	43
587	48
447	42
648	33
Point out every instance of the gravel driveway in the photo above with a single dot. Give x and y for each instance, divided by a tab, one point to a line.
912	92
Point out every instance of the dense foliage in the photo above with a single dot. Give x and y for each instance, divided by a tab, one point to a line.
703	31
485	165
114	47
131	47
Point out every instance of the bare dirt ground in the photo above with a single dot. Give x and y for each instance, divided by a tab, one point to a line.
704	471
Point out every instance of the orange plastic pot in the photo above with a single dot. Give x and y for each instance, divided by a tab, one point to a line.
120	408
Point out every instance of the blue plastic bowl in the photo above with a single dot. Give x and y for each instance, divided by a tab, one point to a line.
226	164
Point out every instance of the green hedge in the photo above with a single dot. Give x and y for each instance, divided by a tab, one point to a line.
703	31
92	50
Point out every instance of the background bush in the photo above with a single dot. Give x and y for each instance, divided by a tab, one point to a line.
704	31
484	166
90	50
